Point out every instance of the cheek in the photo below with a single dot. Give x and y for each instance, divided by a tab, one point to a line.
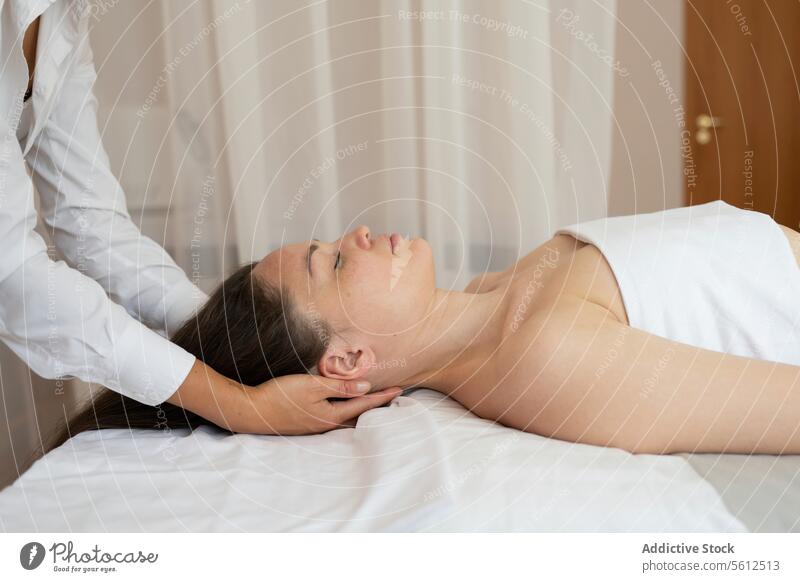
383	293
357	289
366	278
364	299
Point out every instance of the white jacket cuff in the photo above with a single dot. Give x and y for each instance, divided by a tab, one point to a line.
150	368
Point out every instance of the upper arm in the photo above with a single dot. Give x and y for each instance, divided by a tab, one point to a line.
70	165
610	384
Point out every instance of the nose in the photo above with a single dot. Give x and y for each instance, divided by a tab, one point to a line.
361	235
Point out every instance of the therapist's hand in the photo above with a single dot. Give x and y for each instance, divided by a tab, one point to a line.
289	405
299	404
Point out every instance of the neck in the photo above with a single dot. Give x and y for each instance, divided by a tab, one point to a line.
458	333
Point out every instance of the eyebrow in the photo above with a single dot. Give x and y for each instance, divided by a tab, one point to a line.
310	252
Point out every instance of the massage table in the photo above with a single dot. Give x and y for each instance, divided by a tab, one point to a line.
422	463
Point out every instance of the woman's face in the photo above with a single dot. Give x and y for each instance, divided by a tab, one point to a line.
368	285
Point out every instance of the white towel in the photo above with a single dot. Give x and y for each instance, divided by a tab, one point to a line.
711	275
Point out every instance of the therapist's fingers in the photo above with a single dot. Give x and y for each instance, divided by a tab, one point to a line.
333	388
348	409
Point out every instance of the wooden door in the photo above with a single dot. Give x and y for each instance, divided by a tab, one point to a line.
741	142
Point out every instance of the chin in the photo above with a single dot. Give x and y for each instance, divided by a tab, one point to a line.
419	241
424	254
421	249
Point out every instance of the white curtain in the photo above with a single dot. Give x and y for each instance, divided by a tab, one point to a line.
481	126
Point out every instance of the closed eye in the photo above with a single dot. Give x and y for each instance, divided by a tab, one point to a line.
338	261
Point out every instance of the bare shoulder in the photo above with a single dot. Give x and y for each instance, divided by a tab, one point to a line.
536	341
789	231
532	362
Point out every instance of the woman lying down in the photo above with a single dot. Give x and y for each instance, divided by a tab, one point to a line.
657	333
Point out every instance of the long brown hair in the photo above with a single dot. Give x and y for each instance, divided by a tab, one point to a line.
248	330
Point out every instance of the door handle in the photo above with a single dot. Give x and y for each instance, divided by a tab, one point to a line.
705	123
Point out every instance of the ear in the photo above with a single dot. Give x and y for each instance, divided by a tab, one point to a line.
346	362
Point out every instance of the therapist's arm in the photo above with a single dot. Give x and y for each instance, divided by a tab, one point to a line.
84	208
62	323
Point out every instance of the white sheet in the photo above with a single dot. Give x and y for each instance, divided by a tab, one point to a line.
422	464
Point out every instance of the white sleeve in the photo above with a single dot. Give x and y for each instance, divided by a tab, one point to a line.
61	322
84	207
